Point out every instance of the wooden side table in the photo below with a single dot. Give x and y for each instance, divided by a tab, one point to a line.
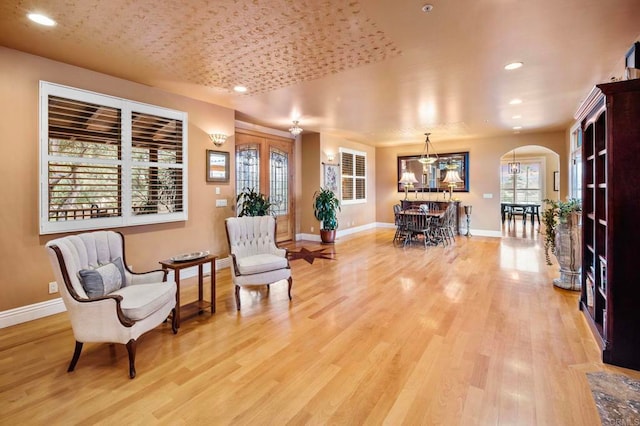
200	305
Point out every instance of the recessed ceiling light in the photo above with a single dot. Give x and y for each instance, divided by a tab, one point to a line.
517	127
515	101
427	8
240	89
41	19
513	66
515	117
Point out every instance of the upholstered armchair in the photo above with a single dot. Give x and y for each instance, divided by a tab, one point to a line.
256	260
107	302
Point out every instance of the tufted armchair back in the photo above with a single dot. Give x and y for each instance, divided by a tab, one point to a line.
86	251
252	235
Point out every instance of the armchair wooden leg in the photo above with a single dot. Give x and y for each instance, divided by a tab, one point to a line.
131	348
238	297
174	321
76	356
290	285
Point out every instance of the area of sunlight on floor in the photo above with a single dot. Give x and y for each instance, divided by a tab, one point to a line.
524	259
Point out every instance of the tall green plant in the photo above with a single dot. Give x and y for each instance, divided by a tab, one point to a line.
252	203
556	212
325	208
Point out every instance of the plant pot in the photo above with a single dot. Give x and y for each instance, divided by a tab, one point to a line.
569	253
328	236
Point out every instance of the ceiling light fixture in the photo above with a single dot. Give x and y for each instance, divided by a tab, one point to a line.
513	66
425	158
240	89
515	117
295	129
515	101
517	127
218	138
514	166
427	8
41	19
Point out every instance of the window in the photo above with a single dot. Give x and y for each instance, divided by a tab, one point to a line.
354	176
575	168
109	162
524	187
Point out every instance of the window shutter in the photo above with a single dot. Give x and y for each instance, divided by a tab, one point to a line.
83	171
156	151
347	175
361	175
354	176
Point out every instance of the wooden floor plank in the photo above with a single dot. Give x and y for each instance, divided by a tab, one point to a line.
473	333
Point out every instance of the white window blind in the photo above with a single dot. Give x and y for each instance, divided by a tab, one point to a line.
108	162
354	176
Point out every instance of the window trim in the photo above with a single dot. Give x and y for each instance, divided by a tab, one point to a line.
342	175
126	107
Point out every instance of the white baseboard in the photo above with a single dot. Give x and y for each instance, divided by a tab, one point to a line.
55	306
31	312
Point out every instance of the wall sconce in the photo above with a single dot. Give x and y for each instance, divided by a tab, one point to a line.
218	138
330	158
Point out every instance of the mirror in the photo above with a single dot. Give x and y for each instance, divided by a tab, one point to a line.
430	176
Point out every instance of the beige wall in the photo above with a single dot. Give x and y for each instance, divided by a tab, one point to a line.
484	163
23	259
354	215
310	178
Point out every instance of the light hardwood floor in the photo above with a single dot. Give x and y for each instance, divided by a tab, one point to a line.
470	334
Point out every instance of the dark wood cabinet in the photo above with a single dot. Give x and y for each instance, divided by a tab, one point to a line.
610	294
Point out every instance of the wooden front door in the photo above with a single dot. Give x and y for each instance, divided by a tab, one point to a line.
265	163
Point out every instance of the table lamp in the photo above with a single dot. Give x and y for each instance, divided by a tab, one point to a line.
407	179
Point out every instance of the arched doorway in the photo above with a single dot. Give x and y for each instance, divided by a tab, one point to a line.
528	175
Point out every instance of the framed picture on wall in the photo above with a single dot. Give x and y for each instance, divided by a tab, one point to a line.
217	166
331	177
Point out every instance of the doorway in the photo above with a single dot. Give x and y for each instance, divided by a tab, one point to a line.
528	175
266	163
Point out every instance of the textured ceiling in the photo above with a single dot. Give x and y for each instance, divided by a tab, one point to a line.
381	72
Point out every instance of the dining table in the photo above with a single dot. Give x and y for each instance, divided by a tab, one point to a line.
415	221
531	209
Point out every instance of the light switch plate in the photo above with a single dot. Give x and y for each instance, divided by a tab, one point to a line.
221	203
487	195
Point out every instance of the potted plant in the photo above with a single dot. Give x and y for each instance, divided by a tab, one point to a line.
252	203
563	237
325	208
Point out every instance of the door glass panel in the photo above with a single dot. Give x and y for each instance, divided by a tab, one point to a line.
247	168
279	182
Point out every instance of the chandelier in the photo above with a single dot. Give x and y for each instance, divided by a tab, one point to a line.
514	166
425	158
295	129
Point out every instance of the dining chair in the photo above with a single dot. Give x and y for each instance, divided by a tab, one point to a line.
418	225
